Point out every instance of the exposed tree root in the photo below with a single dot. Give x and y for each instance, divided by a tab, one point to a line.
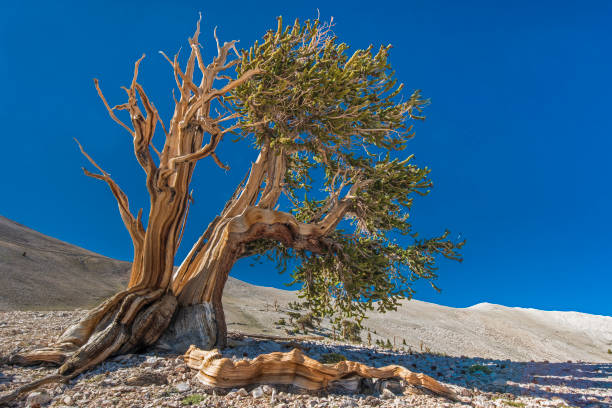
130	320
5	399
295	368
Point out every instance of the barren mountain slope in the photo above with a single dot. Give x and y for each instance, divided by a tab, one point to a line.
483	330
500	332
57	275
40	272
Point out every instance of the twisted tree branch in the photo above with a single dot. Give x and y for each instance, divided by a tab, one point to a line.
133	225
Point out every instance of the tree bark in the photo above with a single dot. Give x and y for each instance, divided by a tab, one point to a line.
138	316
298	369
186	301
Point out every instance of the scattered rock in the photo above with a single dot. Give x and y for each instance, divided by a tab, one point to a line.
273	396
394	386
387	394
147	378
258	392
37	398
373	401
182	387
151	361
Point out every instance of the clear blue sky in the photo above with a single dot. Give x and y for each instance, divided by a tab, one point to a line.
518	134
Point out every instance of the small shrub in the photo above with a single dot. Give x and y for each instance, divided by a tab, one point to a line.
301	322
281	322
293	316
193	399
95	378
168	392
514	403
332	358
290	332
479	367
305	321
609	351
351	331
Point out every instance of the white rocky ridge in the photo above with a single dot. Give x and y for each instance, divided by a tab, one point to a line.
483	330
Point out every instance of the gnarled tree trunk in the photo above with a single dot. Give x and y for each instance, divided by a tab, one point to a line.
139	315
183	307
188	299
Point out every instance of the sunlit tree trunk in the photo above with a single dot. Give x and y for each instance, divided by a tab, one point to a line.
137	316
307	106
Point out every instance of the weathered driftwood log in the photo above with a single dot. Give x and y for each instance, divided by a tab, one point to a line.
295	368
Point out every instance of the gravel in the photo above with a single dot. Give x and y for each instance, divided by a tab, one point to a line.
157	379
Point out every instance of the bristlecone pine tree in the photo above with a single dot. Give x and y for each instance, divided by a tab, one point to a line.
325	189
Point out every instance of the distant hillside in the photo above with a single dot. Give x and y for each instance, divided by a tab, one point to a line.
483	330
39	272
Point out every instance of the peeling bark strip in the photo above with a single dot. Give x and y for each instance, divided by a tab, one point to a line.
295	368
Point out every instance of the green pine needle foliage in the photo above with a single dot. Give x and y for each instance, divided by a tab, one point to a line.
342	122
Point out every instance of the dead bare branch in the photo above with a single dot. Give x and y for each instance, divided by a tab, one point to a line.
218	162
133	225
110	110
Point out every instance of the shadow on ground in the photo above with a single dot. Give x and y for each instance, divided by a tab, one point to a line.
577	383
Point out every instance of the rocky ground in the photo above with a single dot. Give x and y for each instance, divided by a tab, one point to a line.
158	379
